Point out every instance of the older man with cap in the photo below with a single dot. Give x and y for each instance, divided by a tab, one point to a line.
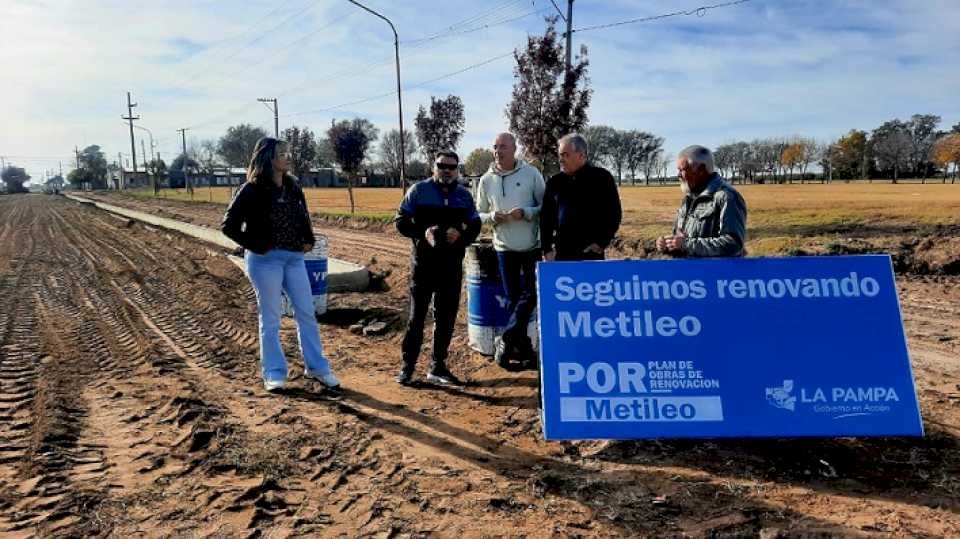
509	196
581	206
712	219
440	218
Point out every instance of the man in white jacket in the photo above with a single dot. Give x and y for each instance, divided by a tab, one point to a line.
509	197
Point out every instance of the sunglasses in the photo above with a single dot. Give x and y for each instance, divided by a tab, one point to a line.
445	166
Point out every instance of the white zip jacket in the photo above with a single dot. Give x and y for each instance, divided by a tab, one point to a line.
502	191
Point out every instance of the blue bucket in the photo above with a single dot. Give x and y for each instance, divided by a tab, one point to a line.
316	262
487	304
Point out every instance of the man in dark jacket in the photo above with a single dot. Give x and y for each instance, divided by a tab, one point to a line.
439	216
712	219
581	206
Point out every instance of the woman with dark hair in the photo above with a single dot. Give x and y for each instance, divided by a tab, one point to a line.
268	217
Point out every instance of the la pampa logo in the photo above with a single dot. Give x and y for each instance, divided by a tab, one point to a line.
782	397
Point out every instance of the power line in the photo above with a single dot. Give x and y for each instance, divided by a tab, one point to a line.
365	69
699	12
562	16
260	35
417	85
501	22
469	21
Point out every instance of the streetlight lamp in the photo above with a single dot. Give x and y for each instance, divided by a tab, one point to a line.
396	47
152	145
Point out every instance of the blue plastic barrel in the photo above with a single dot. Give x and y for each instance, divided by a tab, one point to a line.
316	262
487	304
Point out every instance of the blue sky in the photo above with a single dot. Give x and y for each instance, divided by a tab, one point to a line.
762	68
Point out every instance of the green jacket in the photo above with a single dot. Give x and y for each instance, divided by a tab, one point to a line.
714	222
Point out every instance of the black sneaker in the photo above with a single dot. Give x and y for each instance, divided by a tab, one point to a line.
501	353
404	378
443	378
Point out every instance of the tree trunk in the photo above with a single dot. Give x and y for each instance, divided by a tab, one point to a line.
350	192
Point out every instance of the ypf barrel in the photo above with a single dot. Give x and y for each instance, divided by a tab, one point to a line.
487	303
316	263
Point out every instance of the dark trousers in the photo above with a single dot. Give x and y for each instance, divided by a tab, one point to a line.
576	255
443	287
518	273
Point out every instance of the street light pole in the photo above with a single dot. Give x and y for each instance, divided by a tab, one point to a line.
396	47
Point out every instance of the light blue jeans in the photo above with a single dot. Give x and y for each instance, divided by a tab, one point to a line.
270	273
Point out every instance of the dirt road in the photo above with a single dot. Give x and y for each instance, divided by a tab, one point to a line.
130	404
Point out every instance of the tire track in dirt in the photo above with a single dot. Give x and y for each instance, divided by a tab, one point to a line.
182	424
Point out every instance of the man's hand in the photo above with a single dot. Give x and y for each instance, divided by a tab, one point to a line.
452	235
307	247
431	236
500	217
594	248
672	244
662	243
549	256
516	214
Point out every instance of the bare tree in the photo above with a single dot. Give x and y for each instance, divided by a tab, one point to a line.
892	146
390	152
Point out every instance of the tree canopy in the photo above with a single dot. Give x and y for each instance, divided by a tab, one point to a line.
547	103
236	146
15	177
440	128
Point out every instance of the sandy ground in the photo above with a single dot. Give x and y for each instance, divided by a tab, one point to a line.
130	405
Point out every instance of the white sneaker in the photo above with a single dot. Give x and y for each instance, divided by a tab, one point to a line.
329	379
273	385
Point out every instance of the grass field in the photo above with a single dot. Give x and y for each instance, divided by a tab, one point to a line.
781	217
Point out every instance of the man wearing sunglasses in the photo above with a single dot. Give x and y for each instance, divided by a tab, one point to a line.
439	216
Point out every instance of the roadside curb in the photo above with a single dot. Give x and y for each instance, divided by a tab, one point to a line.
342	276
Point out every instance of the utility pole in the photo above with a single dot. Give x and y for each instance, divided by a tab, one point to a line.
77	151
396	49
569	37
186	177
120	169
276	118
130	118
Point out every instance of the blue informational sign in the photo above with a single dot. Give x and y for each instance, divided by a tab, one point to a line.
736	347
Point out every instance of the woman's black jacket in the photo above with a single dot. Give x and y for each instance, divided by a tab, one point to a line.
247	220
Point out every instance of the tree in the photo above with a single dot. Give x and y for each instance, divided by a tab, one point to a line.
205	156
236	146
442	127
892	145
945	151
324	157
350	140
418	169
156	168
177	164
390	152
303	149
92	171
645	148
848	155
600	143
792	156
15	177
546	102
478	161
923	135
